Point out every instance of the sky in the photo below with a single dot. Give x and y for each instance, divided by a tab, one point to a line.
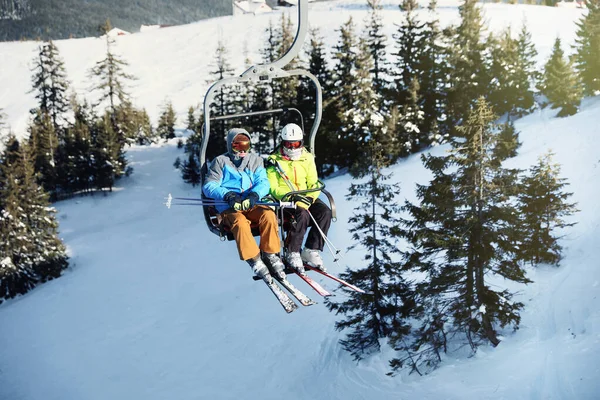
154	306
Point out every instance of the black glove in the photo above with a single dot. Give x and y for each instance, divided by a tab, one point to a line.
250	201
302	201
234	200
269	162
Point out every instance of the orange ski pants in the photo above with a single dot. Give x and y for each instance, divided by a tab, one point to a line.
239	223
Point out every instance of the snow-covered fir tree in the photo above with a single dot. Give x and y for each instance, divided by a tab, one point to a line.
543	207
223	101
319	67
166	122
560	84
111	78
376	41
373	315
587	58
107	154
190	170
76	153
29	244
512	66
191	119
141	128
363	120
418	61
467	73
508	142
50	84
409	47
432	79
44	142
409	125
527	72
344	86
461	233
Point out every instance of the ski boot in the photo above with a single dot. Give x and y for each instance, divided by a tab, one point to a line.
260	269
277	267
294	261
313	258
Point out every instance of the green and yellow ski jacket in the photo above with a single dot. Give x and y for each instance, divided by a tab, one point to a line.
302	174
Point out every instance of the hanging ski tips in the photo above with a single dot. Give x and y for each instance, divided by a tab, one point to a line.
169	201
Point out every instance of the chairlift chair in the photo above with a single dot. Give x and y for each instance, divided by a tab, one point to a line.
257	74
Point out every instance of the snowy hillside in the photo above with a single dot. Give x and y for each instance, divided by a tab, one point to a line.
156	307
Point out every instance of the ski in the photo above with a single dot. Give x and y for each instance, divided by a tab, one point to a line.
335	278
302	298
286	302
313	284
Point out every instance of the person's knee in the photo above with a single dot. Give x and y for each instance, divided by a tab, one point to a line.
268	217
234	219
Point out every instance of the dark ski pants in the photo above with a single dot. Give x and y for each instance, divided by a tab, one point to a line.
300	220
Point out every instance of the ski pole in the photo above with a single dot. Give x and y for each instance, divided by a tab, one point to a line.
330	246
207	202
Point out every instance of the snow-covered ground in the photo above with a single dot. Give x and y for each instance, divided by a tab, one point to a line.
156	307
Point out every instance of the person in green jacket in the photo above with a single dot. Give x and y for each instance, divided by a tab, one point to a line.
299	173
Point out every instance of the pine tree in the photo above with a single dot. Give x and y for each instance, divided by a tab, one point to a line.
191	119
461	234
376	41
344	86
44	143
508	142
560	84
418	76
543	207
80	168
527	74
2	121
318	66
373	315
432	79
409	45
410	122
222	102
190	170
112	80
285	90
144	133
468	77
50	84
107	153
512	71
587	57
363	121
29	243
166	122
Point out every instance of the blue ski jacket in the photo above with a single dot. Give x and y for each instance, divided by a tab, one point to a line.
223	176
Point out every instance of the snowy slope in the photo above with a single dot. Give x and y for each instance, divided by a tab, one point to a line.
156	307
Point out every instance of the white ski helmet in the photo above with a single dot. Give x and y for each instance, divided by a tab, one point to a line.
292	140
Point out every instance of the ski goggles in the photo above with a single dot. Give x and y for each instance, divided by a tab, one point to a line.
292	144
240	144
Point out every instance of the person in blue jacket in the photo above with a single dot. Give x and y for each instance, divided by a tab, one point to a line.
239	178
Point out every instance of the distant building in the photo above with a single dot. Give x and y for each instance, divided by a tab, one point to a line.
117	32
250	7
